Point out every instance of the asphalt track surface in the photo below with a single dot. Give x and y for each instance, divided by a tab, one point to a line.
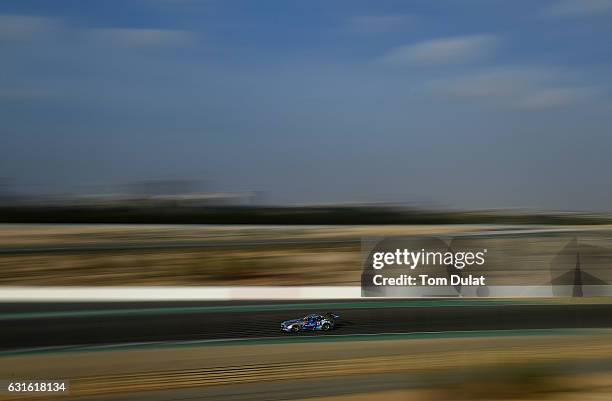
33	325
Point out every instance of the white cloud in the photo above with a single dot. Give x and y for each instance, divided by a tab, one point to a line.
555	97
443	51
19	27
138	37
515	87
379	23
493	83
578	8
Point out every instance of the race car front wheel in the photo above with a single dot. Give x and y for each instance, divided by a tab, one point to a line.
326	326
295	329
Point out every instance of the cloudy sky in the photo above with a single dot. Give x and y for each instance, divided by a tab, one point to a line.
466	103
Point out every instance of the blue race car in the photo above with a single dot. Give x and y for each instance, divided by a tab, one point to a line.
315	321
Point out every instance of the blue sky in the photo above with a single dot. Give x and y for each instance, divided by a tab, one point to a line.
466	103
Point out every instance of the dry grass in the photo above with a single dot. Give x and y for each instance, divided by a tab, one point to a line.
297	264
210	267
496	368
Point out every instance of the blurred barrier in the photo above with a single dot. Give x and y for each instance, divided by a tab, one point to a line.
246	293
58	294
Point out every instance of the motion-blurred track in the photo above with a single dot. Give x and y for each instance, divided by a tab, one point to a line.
31	325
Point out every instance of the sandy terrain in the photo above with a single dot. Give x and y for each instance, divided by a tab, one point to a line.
470	364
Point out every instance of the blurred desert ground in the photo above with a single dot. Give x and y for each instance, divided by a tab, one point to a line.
89	254
59	234
554	366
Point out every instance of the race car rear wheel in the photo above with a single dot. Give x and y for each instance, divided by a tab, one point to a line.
326	326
